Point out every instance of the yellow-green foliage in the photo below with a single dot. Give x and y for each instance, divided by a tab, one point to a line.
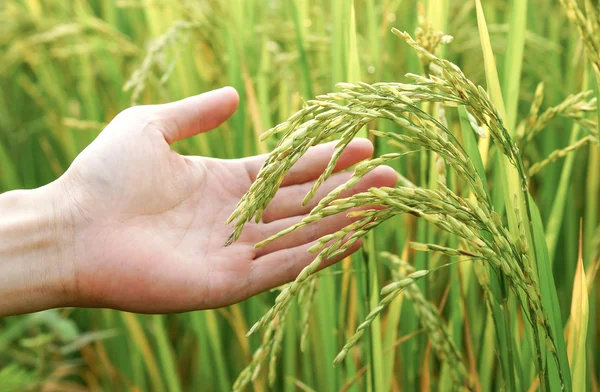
488	283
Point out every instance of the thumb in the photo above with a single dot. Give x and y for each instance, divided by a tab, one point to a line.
197	114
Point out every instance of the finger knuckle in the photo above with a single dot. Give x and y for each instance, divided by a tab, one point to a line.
133	112
155	121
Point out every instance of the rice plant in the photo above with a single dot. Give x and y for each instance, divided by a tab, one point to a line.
478	271
473	221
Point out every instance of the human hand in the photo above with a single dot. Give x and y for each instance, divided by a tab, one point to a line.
147	225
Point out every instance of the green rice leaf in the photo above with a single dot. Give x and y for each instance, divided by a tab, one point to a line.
550	302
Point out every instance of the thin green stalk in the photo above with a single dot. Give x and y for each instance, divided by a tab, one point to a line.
290	351
219	358
499	286
555	218
8	175
307	90
550	301
137	335
326	347
376	364
165	354
513	60
338	44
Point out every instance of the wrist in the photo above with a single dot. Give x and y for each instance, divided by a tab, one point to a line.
36	252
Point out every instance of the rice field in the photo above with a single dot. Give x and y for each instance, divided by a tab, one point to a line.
480	272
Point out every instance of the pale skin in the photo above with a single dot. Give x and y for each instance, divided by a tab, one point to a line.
133	225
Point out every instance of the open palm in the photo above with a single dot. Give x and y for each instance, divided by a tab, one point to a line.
149	224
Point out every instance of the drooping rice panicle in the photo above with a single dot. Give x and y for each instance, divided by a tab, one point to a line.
177	33
588	25
306	298
400	104
575	107
557	154
392	294
431	319
271	343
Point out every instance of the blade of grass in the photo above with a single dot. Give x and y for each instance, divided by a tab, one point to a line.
305	68
392	325
165	354
577	327
513	60
216	348
290	352
491	74
374	38
555	218
9	178
510	186
138	336
550	302
338	44
377	380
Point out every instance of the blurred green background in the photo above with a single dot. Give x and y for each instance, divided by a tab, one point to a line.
68	67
